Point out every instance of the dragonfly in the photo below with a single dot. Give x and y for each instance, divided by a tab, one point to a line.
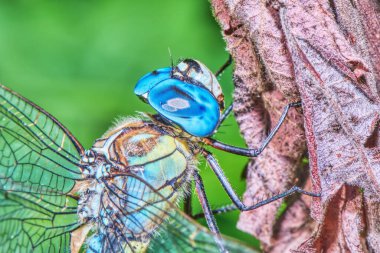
121	194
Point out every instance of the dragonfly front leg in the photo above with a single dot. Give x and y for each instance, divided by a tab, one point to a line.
210	219
225	114
245	151
234	197
224	66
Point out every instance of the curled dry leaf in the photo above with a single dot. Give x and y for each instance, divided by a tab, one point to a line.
258	104
326	54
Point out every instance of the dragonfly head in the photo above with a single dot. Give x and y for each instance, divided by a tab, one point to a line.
195	72
187	95
150	80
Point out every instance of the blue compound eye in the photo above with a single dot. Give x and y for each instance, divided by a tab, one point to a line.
191	107
188	95
147	82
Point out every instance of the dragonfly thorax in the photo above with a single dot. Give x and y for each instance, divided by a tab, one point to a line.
132	152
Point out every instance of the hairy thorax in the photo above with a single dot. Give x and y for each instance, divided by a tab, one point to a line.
136	163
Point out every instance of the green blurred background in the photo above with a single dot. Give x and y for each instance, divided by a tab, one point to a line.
80	60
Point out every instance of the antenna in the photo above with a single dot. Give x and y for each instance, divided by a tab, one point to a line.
171	57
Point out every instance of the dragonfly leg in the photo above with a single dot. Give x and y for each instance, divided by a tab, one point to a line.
217	74
210	219
251	152
225	114
224	66
234	197
221	210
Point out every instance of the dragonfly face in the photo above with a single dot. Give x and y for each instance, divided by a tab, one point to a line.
187	95
52	192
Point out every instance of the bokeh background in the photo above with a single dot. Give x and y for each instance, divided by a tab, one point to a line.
80	60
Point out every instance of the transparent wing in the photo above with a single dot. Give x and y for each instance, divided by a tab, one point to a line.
38	167
36	223
38	155
182	234
136	218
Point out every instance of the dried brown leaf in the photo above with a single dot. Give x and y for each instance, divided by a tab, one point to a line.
257	105
328	52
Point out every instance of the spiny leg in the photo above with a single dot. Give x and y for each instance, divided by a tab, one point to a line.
224	66
251	152
234	197
217	74
221	210
225	114
188	209
210	219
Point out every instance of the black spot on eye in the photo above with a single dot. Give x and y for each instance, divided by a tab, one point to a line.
154	72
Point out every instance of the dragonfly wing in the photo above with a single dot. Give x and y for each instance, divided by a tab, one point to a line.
38	154
39	165
136	218
183	234
35	223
